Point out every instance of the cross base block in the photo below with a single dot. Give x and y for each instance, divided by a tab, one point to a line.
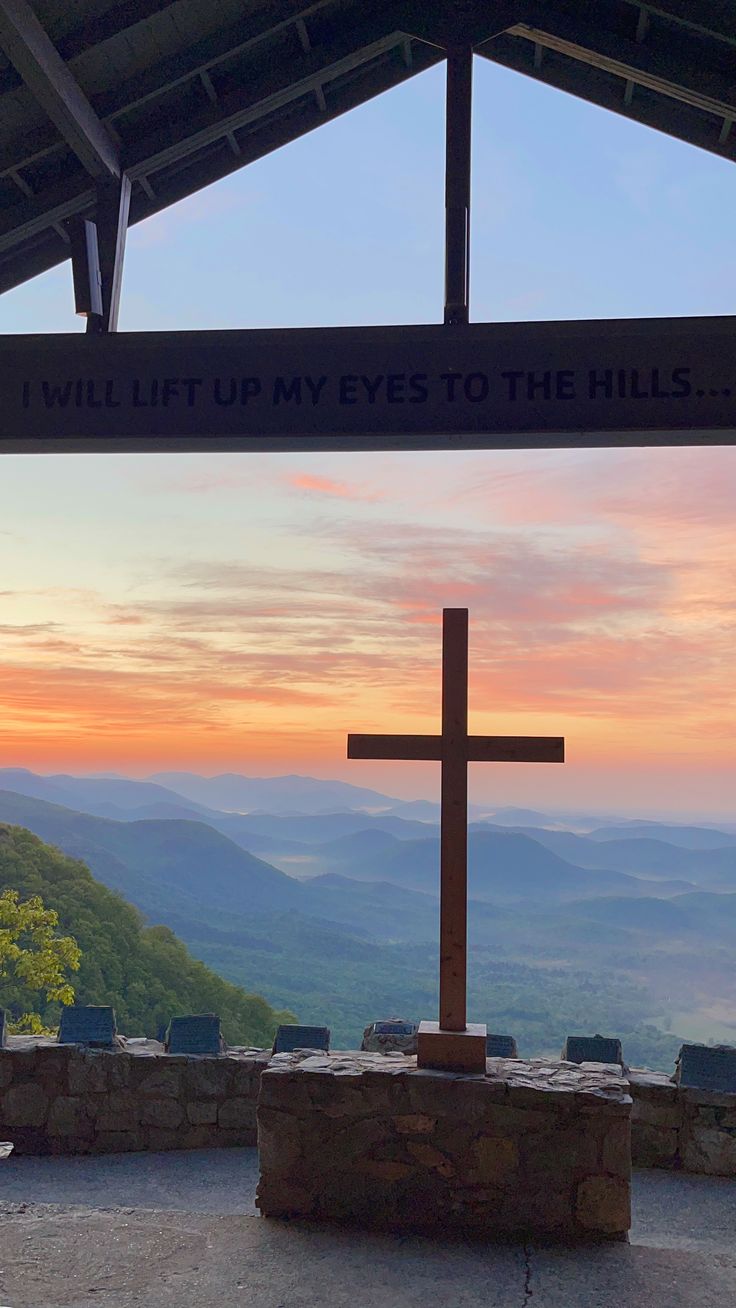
452	1051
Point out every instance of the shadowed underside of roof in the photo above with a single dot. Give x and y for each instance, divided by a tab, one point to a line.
178	93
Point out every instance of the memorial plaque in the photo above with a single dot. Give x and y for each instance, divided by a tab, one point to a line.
290	1037
395	1028
197	1033
535	385
501	1046
3	1028
88	1024
593	1049
707	1067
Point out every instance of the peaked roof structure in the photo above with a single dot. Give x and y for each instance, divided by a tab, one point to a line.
177	93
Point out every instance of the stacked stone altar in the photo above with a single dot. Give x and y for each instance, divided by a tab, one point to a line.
531	1147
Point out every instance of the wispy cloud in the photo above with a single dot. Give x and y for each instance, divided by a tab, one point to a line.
342	490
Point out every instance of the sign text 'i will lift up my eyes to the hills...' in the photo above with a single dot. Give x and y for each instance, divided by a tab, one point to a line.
483	386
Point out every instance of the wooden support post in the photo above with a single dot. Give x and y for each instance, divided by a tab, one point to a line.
457	182
85	267
454	821
113	207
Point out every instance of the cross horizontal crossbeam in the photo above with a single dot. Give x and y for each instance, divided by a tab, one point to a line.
476	749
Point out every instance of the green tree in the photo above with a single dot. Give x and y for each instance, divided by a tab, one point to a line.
33	956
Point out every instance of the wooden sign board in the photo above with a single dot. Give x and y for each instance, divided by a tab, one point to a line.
668	381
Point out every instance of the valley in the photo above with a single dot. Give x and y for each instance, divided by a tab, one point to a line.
334	914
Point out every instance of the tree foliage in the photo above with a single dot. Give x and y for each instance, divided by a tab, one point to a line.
145	972
33	957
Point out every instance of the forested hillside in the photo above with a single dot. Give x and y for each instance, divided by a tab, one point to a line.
145	972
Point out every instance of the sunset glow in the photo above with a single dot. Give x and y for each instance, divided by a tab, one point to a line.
231	614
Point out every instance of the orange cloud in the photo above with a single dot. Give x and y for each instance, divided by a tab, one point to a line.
305	481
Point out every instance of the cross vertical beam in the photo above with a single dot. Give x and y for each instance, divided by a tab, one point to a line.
454	821
451	1042
457	182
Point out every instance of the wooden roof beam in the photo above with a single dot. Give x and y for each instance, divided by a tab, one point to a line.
635	62
31	51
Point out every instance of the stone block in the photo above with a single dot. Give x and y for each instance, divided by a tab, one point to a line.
495	1161
654	1146
118	1142
120	1110
161	1079
164	1113
202	1114
87	1072
24	1105
709	1150
236	1113
616	1152
6	1070
207	1078
67	1116
415	1124
664	1112
604	1205
279	1141
157	1138
197	1137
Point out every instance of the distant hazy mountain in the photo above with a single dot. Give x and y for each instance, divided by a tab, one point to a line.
289	794
104	796
503	866
685	836
640	856
317	829
159	864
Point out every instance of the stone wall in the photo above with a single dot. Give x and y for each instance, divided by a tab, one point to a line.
675	1127
62	1099
531	1146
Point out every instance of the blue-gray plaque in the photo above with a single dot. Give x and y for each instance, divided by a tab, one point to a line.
2	1028
88	1024
395	1028
290	1037
593	1049
196	1034
707	1067
501	1046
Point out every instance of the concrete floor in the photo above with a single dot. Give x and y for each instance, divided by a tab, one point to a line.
178	1229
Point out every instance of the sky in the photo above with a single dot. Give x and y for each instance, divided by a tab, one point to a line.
243	612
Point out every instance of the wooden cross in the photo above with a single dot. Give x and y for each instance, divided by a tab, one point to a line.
454	749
